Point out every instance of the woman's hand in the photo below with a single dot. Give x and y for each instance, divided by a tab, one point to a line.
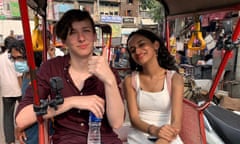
161	141
20	135
168	132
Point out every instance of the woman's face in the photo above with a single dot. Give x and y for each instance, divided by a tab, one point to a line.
142	49
80	38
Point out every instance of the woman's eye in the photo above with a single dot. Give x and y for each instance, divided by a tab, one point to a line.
132	50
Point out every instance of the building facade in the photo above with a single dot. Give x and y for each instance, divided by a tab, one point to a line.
124	16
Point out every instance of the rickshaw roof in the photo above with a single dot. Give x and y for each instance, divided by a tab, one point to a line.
176	8
173	8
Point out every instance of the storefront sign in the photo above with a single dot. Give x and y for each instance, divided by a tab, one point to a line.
111	19
128	20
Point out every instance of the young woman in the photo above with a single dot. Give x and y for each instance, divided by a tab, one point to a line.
89	85
154	104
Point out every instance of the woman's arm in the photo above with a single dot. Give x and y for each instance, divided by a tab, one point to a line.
177	101
169	132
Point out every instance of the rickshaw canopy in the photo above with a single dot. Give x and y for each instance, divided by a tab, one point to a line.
183	7
178	8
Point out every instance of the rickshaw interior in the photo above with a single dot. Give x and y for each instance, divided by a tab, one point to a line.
194	131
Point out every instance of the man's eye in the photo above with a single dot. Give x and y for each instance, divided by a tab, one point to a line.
87	30
141	44
72	32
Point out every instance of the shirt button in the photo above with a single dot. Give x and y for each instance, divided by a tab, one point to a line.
81	93
79	111
67	80
81	124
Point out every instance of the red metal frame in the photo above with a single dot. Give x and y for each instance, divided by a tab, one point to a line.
236	33
226	57
31	63
106	34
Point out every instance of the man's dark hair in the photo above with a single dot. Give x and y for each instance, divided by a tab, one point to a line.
19	46
8	41
65	23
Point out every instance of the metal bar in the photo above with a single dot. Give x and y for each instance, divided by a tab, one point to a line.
221	68
167	34
31	63
236	32
219	73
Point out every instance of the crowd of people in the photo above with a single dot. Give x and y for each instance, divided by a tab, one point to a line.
153	90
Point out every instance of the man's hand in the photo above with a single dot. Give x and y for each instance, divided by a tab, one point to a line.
92	103
98	66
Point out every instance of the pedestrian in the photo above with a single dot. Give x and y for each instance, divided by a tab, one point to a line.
90	85
154	91
18	56
52	51
10	90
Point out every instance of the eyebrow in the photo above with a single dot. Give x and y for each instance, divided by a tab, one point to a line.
138	42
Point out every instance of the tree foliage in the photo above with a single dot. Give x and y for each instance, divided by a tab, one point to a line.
155	9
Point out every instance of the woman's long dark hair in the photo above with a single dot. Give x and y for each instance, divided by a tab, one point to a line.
165	59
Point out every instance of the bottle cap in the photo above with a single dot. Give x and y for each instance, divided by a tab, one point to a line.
93	118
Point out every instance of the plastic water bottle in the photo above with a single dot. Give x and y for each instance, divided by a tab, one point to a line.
94	134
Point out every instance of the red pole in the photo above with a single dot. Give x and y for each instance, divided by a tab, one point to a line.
167	34
219	73
45	39
31	63
236	32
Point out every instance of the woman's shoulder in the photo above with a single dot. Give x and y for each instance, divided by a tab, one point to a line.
129	78
177	78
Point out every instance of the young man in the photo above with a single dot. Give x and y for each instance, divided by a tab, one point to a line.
89	85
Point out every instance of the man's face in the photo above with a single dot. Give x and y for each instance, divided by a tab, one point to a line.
80	38
16	55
